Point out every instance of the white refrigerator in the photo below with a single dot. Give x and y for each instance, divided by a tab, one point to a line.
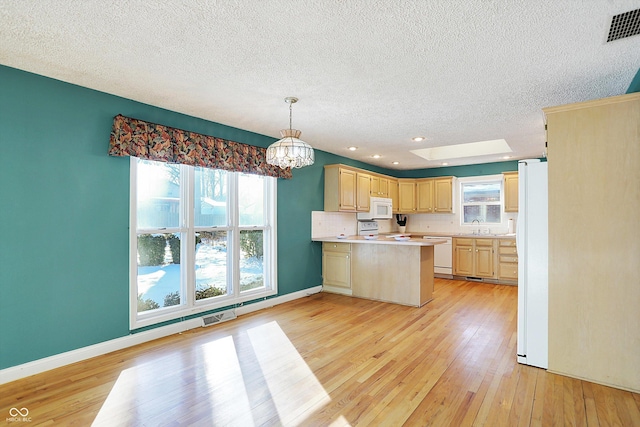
533	283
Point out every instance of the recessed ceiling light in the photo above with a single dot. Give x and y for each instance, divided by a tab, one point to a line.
395	163
418	138
352	148
444	163
506	157
376	156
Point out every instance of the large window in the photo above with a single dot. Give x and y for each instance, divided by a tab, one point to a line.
481	200
200	239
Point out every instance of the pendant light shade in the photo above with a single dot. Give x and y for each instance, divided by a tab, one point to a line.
290	151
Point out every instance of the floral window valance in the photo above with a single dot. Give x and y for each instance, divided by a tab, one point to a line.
133	137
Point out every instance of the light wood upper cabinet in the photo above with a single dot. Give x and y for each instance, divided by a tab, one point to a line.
363	192
375	186
348	189
424	195
384	187
393	194
340	189
443	195
510	191
379	186
407	196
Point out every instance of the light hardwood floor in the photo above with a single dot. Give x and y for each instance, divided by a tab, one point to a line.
329	360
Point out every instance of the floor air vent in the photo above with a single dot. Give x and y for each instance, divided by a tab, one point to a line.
624	25
222	316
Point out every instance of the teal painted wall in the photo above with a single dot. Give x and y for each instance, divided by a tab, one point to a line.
635	83
64	214
462	171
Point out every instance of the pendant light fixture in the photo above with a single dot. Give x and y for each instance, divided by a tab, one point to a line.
290	152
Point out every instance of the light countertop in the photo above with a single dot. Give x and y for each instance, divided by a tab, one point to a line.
462	235
382	240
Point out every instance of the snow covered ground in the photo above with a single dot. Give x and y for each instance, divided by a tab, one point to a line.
156	282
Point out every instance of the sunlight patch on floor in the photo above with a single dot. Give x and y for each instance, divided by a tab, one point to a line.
289	378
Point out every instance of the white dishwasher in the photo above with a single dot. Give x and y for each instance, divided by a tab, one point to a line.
442	257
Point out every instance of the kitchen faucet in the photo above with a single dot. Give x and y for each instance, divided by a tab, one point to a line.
478	231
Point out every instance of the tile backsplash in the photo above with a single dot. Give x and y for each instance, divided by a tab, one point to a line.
326	224
448	223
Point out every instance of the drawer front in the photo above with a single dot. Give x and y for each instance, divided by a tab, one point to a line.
508	250
507	242
336	247
463	242
509	258
508	271
484	242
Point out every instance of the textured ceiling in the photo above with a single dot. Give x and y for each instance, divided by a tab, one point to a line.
368	74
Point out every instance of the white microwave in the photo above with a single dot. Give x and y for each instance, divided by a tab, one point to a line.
379	208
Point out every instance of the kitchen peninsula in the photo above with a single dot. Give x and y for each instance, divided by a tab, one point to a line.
382	269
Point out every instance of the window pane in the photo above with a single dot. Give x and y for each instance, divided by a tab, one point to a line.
471	213
211	264
251	259
492	213
158	193
481	192
482	213
251	199
158	278
210	191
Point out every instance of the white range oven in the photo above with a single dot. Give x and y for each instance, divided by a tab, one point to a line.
367	227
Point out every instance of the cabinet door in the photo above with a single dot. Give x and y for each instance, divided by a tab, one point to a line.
347	190
463	260
484	261
363	192
484	250
375	186
393	194
406	196
443	195
336	269
511	192
384	187
424	199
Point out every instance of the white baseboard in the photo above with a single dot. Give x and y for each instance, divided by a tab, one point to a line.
56	361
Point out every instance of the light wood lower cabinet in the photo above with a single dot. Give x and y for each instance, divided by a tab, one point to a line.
510	191
493	259
474	257
336	267
401	274
507	260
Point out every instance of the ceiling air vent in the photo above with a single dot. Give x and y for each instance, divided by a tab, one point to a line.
624	25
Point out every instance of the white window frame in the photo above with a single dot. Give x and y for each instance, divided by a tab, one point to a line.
188	305
480	180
